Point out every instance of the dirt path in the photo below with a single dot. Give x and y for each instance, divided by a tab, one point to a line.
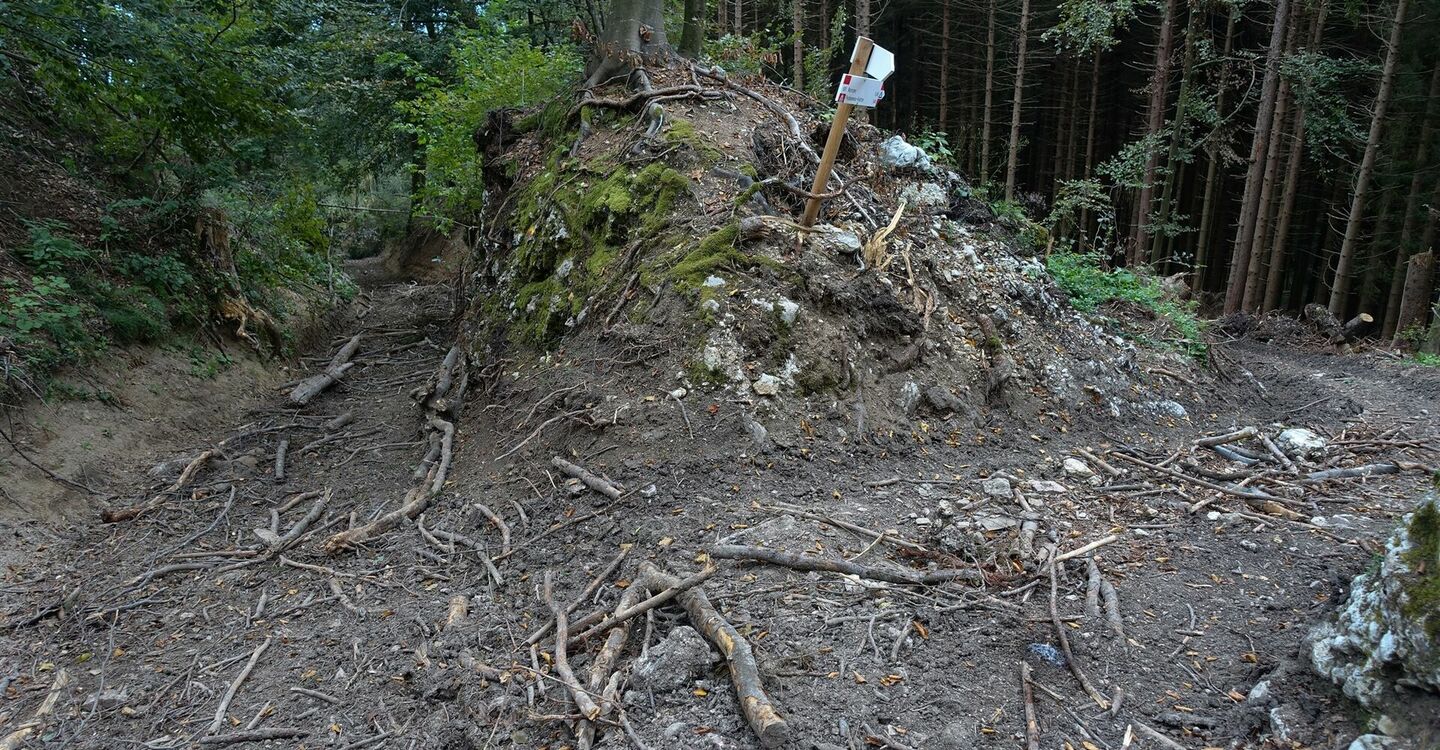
203	622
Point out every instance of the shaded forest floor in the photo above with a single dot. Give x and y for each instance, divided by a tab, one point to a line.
202	621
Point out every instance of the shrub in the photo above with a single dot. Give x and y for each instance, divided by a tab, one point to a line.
1089	285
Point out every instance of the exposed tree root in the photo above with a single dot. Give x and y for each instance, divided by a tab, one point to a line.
316	384
847	567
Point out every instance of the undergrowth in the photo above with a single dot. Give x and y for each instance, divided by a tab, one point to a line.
1090	285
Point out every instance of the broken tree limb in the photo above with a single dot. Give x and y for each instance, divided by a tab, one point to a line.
590	589
1356	327
1277	453
884	536
416	501
1098	461
589	480
604	662
582	698
1368	470
832	565
280	451
621	615
16	738
1088	548
316	384
191	469
1092	589
499	524
254	735
447	443
219	720
754	703
1065	644
1112	609
1032	725
1244	433
1247	494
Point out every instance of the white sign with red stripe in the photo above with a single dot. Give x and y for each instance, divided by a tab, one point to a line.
860	91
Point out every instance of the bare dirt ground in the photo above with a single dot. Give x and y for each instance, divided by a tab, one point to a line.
204	621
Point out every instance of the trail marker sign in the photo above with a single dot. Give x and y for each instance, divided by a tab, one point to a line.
860	91
863	86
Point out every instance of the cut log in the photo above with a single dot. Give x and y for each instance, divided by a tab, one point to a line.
314	385
1356	327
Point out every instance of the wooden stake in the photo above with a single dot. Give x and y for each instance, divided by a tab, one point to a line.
863	45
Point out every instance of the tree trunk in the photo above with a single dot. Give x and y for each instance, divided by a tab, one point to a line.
1212	180
1154	122
989	93
944	67
1379	254
1275	273
797	27
1340	290
1254	273
1412	209
1090	142
1415	302
692	34
1018	97
722	18
737	18
1249	203
1177	136
862	17
634	35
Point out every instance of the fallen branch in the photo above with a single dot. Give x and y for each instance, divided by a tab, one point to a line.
280	451
16	739
253	735
622	615
191	469
754	703
219	720
1248	494
589	480
583	701
316	384
1032	725
1246	433
883	536
831	565
594	585
1086	549
1369	470
1065	644
499	524
416	501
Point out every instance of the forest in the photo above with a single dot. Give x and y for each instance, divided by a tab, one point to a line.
579	374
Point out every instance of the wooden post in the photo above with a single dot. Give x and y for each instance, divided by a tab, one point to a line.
863	45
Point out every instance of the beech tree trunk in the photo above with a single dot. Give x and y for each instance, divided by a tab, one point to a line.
1018	98
989	92
1154	122
1340	290
634	36
1255	174
1412	210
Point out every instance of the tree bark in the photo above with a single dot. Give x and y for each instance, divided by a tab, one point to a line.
1340	290
1254	273
634	36
1212	179
944	67
1412	209
985	118
862	17
1154	122
1177	136
1017	99
1415	302
1084	227
692	34
797	27
1249	202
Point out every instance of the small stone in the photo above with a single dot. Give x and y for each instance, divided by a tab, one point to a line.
896	154
1074	467
678	393
1048	487
909	398
1298	442
1249	545
996	523
996	487
788	311
714	282
1374	742
766	385
1260	694
563	270
649	491
108	698
942	400
1213	515
946	508
710	306
922	521
673	663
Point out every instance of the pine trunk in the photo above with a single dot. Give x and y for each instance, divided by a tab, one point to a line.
1340	290
1255	174
797	27
1415	302
1159	239
1084	228
1255	272
1013	158
1212	179
1412	209
945	68
1154	123
985	118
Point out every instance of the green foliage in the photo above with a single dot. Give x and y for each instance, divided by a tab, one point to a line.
1092	26
935	143
818	80
1074	197
1327	87
490	71
749	55
1089	285
1427	359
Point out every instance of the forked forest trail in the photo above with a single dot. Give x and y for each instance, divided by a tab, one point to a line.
240	610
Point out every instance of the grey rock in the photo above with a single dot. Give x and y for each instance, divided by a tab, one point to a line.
909	398
789	310
925	195
1047	487
996	523
895	154
1380	640
942	400
714	282
1260	694
766	385
674	662
836	240
1375	742
1074	467
996	487
564	269
1298	442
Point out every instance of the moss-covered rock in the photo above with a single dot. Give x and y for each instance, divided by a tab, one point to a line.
1387	636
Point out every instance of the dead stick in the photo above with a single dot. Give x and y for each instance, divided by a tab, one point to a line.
1156	736
1032	725
754	703
1081	551
604	662
594	585
583	701
588	479
1098	461
499	524
16	739
415	503
1065	644
884	536
219	719
280	451
830	565
665	595
191	469
1245	433
1229	490
253	735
